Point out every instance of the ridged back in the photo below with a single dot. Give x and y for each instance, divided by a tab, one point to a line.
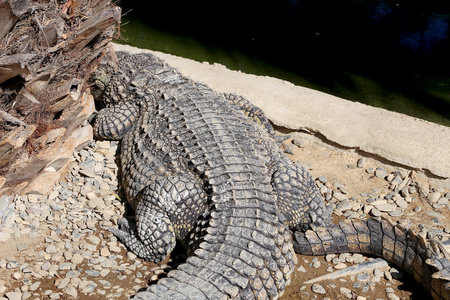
245	250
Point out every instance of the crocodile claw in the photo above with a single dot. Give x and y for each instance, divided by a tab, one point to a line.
126	230
286	149
281	138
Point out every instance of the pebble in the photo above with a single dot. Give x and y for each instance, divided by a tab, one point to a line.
401	203
66	211
395	213
340	266
93	273
346	292
71	291
105	252
339	196
361	163
318	289
63	283
131	256
14	295
343	205
35	286
392	296
93	239
362	276
301	269
12	264
299	142
343	257
385	207
329	257
322	179
443	201
380	173
434	197
375	212
51	249
4	236
96	203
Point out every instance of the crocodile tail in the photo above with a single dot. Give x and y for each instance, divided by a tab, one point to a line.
428	263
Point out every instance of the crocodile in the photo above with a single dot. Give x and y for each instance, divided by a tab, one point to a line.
205	169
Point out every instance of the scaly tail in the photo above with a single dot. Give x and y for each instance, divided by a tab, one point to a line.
427	262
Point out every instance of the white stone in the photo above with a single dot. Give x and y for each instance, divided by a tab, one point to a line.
71	291
386	207
96	203
340	266
339	196
4	236
434	197
105	252
93	239
77	258
53	195
401	203
318	289
63	283
103	144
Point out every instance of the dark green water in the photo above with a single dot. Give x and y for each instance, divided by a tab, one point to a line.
405	83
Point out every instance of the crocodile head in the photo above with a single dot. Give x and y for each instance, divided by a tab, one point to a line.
100	81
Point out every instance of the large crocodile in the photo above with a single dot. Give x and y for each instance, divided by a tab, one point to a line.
204	169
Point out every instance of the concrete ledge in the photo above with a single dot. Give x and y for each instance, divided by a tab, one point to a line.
398	138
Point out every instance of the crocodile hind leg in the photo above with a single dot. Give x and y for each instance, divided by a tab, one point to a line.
114	122
298	200
257	115
167	210
251	111
428	265
151	240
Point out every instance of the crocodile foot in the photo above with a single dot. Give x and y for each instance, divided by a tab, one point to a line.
140	244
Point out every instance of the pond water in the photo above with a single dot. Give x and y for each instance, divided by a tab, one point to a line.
389	54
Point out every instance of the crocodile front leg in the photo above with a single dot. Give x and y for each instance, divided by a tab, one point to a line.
114	122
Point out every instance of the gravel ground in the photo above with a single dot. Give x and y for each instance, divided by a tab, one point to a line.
57	246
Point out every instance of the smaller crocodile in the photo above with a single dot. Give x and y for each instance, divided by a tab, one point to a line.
205	169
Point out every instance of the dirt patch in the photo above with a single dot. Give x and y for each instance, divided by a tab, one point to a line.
340	165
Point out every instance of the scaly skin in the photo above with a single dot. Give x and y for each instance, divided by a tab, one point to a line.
204	169
192	158
427	263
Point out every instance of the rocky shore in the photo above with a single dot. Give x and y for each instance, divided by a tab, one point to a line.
57	246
